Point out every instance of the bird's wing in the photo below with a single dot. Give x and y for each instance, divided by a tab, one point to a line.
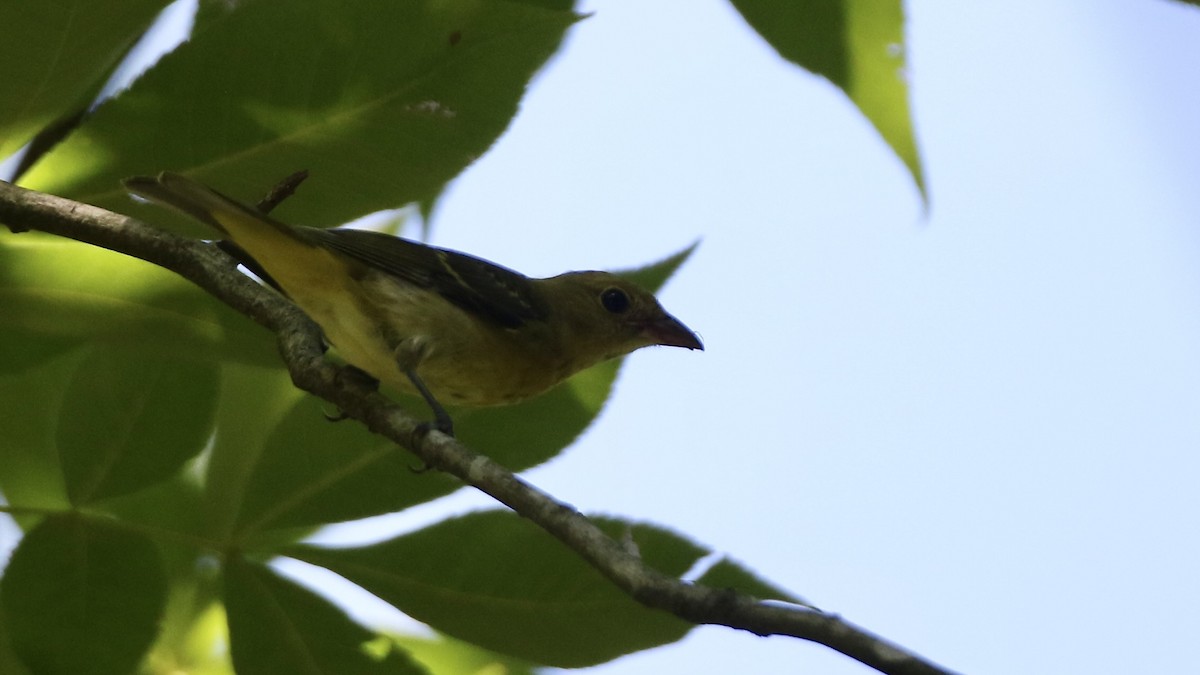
496	293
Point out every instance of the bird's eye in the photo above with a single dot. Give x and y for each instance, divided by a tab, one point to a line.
614	300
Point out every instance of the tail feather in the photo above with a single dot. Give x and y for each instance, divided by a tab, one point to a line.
185	195
286	257
199	201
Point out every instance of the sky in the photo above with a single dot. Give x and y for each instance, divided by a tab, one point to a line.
970	426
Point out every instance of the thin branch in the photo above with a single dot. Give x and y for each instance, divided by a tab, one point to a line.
282	190
300	345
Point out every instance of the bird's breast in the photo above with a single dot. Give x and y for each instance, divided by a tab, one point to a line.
469	360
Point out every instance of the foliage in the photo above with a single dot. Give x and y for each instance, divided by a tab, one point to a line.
859	46
159	455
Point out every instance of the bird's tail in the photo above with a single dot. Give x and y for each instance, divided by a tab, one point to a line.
185	195
248	227
201	202
282	255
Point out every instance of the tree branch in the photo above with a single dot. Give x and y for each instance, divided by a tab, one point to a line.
300	345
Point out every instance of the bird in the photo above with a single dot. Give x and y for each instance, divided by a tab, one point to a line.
442	324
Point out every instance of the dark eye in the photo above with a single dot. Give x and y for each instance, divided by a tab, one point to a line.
614	300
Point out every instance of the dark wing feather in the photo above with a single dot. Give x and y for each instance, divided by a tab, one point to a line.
496	293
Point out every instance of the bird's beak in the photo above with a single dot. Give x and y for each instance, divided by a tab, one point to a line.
668	331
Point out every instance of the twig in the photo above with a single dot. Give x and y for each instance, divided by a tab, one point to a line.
282	190
300	345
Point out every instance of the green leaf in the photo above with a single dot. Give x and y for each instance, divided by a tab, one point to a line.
172	507
30	472
22	349
497	581
447	656
56	294
10	663
129	420
203	649
82	597
859	46
250	404
729	574
59	54
191	639
312	471
277	626
652	277
382	101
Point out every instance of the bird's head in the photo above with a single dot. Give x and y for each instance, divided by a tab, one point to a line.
608	316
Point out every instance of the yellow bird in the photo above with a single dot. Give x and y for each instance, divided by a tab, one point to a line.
442	324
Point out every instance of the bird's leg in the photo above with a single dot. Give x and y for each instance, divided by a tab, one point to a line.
409	353
441	418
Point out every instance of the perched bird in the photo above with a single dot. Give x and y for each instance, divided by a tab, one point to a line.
442	324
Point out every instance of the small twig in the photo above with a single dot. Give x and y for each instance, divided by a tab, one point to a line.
301	348
282	190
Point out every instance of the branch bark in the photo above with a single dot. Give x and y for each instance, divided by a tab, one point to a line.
300	346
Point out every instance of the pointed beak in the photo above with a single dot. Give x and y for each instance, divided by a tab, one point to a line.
668	331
